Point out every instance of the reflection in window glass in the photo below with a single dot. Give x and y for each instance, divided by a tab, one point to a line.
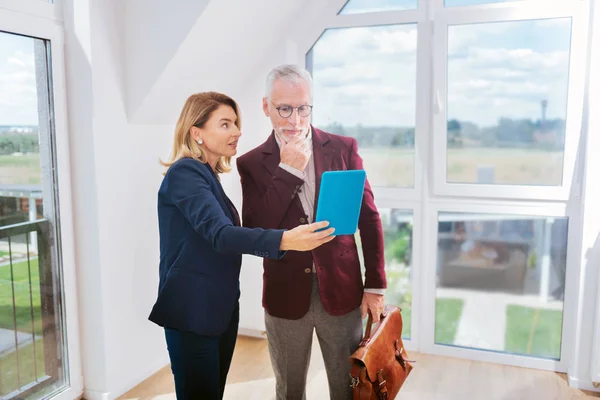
397	236
365	6
365	88
507	98
501	282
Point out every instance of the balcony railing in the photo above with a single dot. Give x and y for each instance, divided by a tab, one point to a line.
29	356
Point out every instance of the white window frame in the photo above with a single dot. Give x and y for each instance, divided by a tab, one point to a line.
415	207
430	194
504	12
38	19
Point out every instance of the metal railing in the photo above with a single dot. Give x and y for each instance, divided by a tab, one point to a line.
29	377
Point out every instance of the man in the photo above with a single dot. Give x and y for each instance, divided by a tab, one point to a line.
321	290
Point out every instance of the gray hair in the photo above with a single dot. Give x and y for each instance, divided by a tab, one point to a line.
289	72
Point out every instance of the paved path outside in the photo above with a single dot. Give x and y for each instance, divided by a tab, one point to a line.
483	320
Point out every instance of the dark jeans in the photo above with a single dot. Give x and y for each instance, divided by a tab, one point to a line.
200	363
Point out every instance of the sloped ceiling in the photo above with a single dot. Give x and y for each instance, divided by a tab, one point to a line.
173	49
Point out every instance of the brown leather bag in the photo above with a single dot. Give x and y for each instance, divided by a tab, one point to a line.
380	365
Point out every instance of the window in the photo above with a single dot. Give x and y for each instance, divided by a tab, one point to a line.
362	6
463	165
365	88
501	282
32	344
507	100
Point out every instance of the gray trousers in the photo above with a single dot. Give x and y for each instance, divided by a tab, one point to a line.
290	344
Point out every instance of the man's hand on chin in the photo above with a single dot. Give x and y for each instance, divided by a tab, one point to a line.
374	303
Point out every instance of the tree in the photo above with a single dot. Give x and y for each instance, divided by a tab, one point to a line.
454	134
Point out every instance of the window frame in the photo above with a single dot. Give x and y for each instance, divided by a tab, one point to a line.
416	208
427	199
515	11
40	20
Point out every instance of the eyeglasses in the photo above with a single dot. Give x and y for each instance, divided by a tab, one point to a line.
286	111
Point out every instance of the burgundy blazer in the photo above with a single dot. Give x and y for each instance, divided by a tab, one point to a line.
270	201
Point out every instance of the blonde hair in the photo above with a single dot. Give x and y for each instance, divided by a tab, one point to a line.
196	112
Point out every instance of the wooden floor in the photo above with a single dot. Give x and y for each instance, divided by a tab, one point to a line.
434	377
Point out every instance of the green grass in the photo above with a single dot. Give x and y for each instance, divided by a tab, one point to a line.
8	367
447	317
533	331
23	296
4	253
8	363
20	169
29	160
406	322
395	166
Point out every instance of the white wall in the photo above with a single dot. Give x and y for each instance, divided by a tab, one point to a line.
152	35
585	365
227	43
115	178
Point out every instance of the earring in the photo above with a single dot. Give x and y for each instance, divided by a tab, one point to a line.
200	141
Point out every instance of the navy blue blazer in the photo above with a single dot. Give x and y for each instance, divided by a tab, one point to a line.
201	247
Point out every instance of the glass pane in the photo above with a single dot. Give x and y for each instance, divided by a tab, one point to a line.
30	326
507	99
365	87
501	282
454	3
398	233
365	6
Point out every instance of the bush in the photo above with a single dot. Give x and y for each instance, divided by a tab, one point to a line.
399	249
14	143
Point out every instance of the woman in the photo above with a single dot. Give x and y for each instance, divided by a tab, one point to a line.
201	247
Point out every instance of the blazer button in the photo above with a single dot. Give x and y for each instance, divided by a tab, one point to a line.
308	270
302	220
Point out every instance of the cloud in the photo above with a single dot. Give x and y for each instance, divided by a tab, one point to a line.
16	61
376	80
18	93
368	75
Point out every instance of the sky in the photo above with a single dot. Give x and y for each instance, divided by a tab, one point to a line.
18	95
361	6
368	75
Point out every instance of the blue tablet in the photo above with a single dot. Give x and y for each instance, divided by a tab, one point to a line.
340	199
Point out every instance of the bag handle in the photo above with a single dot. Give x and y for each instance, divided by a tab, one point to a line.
367	336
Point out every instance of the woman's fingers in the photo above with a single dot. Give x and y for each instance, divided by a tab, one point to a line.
327	239
326	233
315	226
